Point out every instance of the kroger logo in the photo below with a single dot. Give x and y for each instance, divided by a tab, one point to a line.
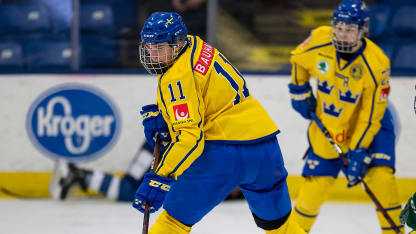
75	122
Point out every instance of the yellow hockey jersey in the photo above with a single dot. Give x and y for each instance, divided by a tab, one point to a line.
351	96
203	97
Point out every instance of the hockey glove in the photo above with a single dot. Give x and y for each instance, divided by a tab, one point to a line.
408	214
302	99
155	125
358	162
153	189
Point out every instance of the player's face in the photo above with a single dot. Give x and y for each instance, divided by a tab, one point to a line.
161	53
346	34
158	57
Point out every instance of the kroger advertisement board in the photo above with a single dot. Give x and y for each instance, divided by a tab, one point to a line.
73	121
94	120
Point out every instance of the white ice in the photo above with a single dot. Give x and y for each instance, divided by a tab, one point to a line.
106	217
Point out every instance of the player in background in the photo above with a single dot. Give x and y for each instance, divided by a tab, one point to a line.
215	135
408	214
352	77
67	176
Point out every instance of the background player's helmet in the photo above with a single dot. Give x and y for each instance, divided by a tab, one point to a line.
350	12
162	27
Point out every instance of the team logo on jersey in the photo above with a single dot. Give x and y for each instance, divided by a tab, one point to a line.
323	66
73	121
348	97
384	94
331	110
356	71
312	163
323	87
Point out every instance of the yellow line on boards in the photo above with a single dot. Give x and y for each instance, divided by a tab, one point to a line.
35	185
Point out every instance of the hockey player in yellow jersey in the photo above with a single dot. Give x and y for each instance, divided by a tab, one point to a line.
352	78
215	135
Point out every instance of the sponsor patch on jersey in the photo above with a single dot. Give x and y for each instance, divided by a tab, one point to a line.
384	94
182	114
323	66
181	111
205	59
325	55
356	71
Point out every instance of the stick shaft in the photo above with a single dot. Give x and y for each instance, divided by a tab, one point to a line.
146	219
156	154
366	188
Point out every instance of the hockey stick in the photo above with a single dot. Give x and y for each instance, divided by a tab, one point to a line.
19	195
345	160
156	154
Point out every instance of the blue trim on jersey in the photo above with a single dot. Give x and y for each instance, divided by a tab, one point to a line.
390	228
244	142
246	93
318	46
359	52
161	94
192	54
199	112
235	69
296	73
166	153
392	208
372	102
187	155
163	100
305	215
225	60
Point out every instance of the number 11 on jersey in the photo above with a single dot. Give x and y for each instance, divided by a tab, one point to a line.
172	95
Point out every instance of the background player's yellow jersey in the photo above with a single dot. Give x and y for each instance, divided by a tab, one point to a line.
351	96
204	98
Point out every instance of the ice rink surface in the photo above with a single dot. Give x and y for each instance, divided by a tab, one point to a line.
94	216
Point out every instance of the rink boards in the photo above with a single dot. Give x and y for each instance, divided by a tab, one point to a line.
94	120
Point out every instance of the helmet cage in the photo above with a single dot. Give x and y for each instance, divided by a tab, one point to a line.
343	46
155	60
